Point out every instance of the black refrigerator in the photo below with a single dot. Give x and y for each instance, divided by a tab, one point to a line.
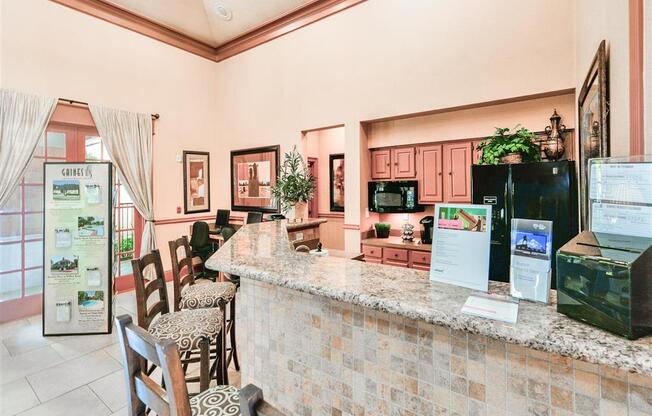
538	191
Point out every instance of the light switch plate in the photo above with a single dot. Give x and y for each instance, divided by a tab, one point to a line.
179	159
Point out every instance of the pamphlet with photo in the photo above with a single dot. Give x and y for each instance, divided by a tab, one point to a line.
530	260
460	247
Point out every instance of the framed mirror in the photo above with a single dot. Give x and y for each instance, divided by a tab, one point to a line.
593	136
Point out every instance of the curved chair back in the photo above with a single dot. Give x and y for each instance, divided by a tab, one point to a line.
254	217
146	287
222	217
200	237
182	271
138	347
227	232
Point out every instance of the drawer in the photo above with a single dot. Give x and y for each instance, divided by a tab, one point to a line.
396	263
373	260
371	251
422	257
420	266
395	254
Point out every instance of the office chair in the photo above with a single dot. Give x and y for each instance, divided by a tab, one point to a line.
254	217
202	247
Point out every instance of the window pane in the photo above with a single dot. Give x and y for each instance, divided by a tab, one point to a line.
10	228
13	204
10	257
34	172
9	286
56	144
125	265
34	198
33	226
33	282
33	254
93	148
124	196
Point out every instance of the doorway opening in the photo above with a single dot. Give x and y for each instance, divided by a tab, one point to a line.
324	152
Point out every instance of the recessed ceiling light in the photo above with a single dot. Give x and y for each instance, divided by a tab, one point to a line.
223	12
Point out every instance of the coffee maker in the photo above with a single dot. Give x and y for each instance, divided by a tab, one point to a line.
427	224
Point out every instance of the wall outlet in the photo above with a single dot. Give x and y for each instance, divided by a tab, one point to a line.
179	158
178	210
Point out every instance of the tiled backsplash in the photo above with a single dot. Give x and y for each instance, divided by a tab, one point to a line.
315	356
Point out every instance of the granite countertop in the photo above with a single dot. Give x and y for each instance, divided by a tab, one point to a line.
397	242
261	252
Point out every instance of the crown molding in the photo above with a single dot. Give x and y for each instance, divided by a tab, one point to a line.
288	22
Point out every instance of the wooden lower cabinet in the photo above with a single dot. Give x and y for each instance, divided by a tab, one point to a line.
414	259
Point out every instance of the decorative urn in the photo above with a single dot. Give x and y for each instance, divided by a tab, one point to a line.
553	146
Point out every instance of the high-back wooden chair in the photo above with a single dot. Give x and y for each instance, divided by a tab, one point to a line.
193	330
137	346
182	268
146	286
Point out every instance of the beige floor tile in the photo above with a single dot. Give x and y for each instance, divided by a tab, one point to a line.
26	338
114	351
16	396
13	368
79	402
111	390
72	374
121	412
9	329
73	347
4	352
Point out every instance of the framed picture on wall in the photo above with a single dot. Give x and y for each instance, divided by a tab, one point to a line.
196	182
253	174
336	168
593	107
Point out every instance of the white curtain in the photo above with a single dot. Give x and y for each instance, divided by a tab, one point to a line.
128	140
23	119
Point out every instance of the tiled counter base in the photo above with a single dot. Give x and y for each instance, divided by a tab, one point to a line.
315	356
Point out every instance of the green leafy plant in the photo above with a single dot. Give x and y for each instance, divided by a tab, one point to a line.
295	184
502	143
382	229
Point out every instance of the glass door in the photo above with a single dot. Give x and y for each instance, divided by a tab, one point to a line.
21	221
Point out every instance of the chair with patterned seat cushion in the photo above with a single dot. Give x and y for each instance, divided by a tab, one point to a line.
194	331
191	295
171	397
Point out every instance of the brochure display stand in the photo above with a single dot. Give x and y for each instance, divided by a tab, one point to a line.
530	267
77	248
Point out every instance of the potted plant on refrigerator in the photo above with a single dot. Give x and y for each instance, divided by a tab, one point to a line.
294	187
506	147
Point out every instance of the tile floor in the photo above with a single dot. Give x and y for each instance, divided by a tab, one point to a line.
80	375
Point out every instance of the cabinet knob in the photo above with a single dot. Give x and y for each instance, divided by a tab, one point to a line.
450	173
439	173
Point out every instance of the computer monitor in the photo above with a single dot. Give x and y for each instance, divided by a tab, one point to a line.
222	218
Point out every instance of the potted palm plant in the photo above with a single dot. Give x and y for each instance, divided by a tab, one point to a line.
503	147
294	187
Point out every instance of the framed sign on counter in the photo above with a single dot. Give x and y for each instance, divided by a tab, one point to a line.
77	248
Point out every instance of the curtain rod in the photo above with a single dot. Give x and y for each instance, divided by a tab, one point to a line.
66	100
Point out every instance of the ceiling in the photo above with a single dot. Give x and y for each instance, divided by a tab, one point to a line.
199	19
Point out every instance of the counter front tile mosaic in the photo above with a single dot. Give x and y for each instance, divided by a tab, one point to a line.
316	356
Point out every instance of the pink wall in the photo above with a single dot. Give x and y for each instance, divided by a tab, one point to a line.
321	144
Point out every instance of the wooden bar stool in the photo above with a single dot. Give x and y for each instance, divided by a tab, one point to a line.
190	295
192	330
144	393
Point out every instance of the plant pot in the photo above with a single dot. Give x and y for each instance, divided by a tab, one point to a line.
298	212
382	232
511	158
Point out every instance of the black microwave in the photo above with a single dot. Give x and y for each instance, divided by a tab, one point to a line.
394	197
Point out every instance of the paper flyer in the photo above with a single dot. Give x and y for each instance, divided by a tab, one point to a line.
531	259
460	246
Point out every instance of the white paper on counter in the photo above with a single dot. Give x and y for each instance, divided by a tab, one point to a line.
491	308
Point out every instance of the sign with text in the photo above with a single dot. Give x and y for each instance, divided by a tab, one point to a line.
460	246
77	248
530	261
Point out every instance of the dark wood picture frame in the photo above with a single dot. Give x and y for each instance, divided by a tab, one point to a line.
593	131
253	155
331	179
207	175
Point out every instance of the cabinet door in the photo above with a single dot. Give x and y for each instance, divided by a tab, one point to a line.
457	172
429	174
476	153
404	162
381	167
